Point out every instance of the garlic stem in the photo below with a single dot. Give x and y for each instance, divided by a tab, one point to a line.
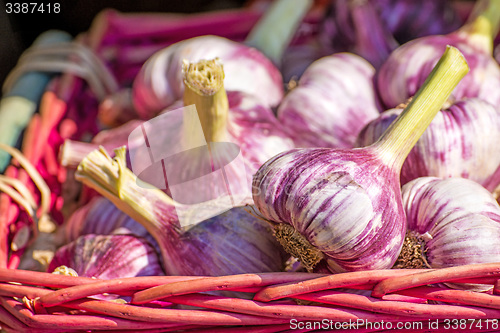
398	140
152	208
204	87
113	180
483	24
159	214
73	152
274	31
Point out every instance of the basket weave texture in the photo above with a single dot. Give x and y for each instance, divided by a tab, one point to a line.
412	300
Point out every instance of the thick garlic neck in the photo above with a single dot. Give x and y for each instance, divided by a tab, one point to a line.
399	139
204	87
297	245
413	252
483	25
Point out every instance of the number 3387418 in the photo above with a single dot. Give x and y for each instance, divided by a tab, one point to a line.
32	8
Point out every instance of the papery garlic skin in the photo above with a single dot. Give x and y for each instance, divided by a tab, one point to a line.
338	205
409	65
461	141
108	257
334	100
460	218
160	81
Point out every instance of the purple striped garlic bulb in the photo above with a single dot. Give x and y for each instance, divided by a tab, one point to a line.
344	206
251	66
108	257
160	81
407	67
233	120
335	98
451	222
461	141
230	242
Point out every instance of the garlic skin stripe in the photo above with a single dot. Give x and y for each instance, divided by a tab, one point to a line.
399	78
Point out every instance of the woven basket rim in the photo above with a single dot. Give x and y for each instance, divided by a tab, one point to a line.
260	301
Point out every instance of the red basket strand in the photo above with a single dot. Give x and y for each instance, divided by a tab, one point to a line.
39	302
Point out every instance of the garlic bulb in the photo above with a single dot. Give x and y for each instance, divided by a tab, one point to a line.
344	205
160	81
108	257
231	242
335	98
407	67
461	141
451	222
249	66
231	133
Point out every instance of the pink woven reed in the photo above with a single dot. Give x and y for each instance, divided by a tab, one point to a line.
267	302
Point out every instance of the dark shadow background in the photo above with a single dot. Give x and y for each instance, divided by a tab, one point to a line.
18	31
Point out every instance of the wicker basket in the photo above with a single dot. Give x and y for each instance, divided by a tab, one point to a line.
370	301
277	302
